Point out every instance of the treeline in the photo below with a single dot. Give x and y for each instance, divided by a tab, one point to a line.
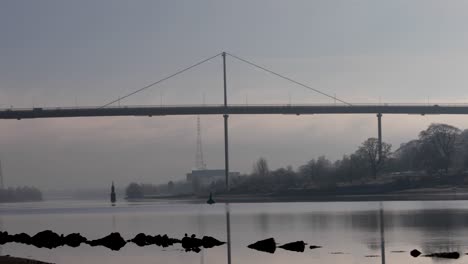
438	156
20	194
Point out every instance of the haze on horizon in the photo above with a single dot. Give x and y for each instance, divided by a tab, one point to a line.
64	53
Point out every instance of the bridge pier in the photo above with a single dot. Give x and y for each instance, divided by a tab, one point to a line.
379	125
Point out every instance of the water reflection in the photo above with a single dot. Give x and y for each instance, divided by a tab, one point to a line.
228	229
364	231
382	233
1	229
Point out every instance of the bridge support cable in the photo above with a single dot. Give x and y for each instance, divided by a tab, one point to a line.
288	79
161	80
226	134
379	133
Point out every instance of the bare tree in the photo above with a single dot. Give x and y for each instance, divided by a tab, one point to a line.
369	151
261	168
438	145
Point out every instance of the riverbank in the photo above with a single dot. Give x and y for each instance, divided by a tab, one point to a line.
14	260
420	194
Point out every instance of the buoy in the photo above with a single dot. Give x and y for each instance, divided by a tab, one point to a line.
112	195
210	200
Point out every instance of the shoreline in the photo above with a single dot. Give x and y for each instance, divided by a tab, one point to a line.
428	194
16	260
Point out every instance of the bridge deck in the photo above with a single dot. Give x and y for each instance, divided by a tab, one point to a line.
50	112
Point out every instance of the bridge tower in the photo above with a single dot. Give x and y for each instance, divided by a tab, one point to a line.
226	136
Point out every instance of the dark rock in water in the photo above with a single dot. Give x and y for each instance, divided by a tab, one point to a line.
47	239
209	242
191	243
415	253
314	247
113	241
166	241
4	238
21	238
297	246
74	240
142	240
267	245
447	255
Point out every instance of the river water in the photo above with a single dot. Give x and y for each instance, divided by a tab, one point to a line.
349	232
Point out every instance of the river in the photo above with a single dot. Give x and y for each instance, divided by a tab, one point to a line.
349	232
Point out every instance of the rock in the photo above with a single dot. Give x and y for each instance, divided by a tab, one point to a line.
191	243
74	240
21	238
314	247
447	255
267	245
113	241
4	238
47	239
415	253
209	242
297	246
141	240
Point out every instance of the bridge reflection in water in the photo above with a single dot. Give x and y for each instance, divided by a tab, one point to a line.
381	223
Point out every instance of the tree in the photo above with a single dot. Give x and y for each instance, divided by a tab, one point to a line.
407	156
317	172
134	191
462	150
369	151
438	145
261	168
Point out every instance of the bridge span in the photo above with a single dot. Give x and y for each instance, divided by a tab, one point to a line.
65	112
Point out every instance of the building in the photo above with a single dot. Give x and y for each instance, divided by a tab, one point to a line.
205	177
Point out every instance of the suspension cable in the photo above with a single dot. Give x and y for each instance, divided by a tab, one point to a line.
287	78
161	80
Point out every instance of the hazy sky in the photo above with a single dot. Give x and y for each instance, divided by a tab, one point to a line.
67	53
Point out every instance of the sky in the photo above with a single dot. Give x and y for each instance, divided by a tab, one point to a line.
88	53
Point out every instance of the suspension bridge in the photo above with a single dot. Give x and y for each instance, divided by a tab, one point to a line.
225	109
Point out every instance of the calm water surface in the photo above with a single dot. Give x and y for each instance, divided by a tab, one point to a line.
352	229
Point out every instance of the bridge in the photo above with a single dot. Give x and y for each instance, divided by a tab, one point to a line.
65	112
229	109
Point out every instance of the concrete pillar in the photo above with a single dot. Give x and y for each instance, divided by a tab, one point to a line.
379	121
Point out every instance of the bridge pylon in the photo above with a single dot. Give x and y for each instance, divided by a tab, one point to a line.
226	135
